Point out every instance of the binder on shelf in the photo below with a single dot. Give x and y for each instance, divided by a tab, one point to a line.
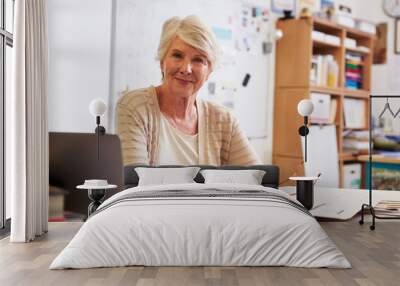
333	109
324	71
354	113
314	70
322	108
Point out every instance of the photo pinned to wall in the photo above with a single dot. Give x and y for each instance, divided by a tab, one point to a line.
326	9
224	36
228	94
225	30
242	36
327	4
308	7
223	92
252	29
278	6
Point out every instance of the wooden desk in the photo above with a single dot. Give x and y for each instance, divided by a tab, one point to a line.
379	159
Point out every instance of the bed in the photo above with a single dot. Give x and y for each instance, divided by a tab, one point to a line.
201	224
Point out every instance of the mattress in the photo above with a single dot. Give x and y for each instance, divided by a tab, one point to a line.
201	225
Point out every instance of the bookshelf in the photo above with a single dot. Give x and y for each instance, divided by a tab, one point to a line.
299	55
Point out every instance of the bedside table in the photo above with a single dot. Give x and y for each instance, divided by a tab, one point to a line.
96	193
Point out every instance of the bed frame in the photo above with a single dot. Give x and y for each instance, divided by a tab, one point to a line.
270	179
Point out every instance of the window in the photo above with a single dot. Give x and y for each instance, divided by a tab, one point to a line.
6	44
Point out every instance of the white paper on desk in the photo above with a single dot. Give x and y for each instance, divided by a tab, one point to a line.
322	155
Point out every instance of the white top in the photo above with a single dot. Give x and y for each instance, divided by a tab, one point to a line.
176	147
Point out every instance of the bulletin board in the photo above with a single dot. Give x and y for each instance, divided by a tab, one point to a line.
241	28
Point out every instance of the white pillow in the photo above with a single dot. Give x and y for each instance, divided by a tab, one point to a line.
163	176
248	177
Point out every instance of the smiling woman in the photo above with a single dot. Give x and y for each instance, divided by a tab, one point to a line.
168	124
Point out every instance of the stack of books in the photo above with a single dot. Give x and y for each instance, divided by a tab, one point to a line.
56	204
57	211
353	71
388	208
356	141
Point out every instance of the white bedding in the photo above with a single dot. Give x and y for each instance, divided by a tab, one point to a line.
182	231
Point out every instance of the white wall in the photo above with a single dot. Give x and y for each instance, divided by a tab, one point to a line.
79	61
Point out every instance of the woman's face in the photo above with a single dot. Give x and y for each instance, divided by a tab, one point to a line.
185	68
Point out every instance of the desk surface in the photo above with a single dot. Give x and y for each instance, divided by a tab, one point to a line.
379	159
343	204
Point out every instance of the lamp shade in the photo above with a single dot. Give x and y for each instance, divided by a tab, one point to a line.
305	107
97	107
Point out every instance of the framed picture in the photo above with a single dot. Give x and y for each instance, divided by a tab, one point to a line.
311	5
397	36
278	6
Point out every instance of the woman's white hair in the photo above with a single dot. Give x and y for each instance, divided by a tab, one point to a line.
192	31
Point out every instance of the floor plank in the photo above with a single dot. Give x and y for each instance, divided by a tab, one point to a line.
375	257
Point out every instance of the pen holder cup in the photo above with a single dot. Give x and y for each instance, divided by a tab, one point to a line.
305	193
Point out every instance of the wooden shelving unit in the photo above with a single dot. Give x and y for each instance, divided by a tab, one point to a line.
294	52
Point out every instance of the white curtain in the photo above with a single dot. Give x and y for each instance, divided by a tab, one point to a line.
27	132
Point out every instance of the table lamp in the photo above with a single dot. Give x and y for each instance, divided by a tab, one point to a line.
305	108
305	185
97	108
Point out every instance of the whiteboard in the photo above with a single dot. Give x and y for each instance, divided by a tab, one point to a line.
137	31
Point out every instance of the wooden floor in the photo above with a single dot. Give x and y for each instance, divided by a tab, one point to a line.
375	257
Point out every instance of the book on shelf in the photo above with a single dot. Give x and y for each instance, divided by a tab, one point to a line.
325	108
354	145
353	71
314	70
56	202
321	104
324	71
350	43
344	20
366	26
333	109
354	113
356	140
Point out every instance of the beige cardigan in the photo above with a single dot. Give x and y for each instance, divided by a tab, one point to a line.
221	142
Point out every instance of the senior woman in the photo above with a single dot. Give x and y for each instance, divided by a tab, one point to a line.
168	124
